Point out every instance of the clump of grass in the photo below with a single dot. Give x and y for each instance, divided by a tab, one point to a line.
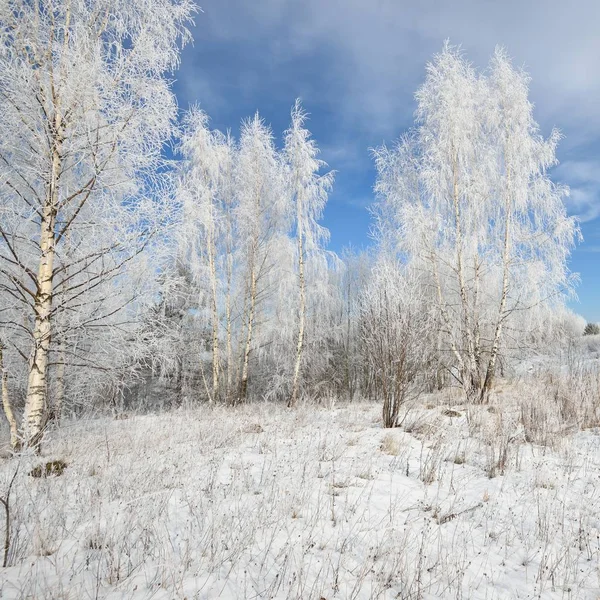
451	413
430	461
53	467
253	428
390	445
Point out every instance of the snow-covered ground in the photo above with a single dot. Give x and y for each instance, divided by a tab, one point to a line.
318	502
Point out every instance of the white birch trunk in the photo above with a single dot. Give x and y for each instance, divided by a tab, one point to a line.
60	384
476	323
35	403
470	376
8	412
248	345
215	315
302	308
228	325
491	366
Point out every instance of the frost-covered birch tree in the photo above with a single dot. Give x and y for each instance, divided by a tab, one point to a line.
308	191
206	189
262	211
532	236
7	404
85	107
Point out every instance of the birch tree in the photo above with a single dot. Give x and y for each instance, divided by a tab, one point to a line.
450	136
261	213
308	191
6	401
355	277
250	236
85	107
205	191
533	235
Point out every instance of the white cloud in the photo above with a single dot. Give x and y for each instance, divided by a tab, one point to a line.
583	176
362	61
376	49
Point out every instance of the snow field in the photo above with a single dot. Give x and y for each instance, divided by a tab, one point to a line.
318	502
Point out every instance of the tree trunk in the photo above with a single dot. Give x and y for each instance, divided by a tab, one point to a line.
349	373
35	403
60	384
10	416
228	324
491	366
444	313
302	309
471	383
215	317
476	319
244	379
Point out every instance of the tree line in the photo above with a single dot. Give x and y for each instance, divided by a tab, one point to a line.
207	278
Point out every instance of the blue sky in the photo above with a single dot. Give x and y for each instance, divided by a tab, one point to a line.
356	64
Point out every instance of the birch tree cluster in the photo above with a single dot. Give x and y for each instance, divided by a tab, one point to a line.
249	289
467	205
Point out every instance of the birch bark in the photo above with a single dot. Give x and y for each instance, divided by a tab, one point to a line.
8	411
